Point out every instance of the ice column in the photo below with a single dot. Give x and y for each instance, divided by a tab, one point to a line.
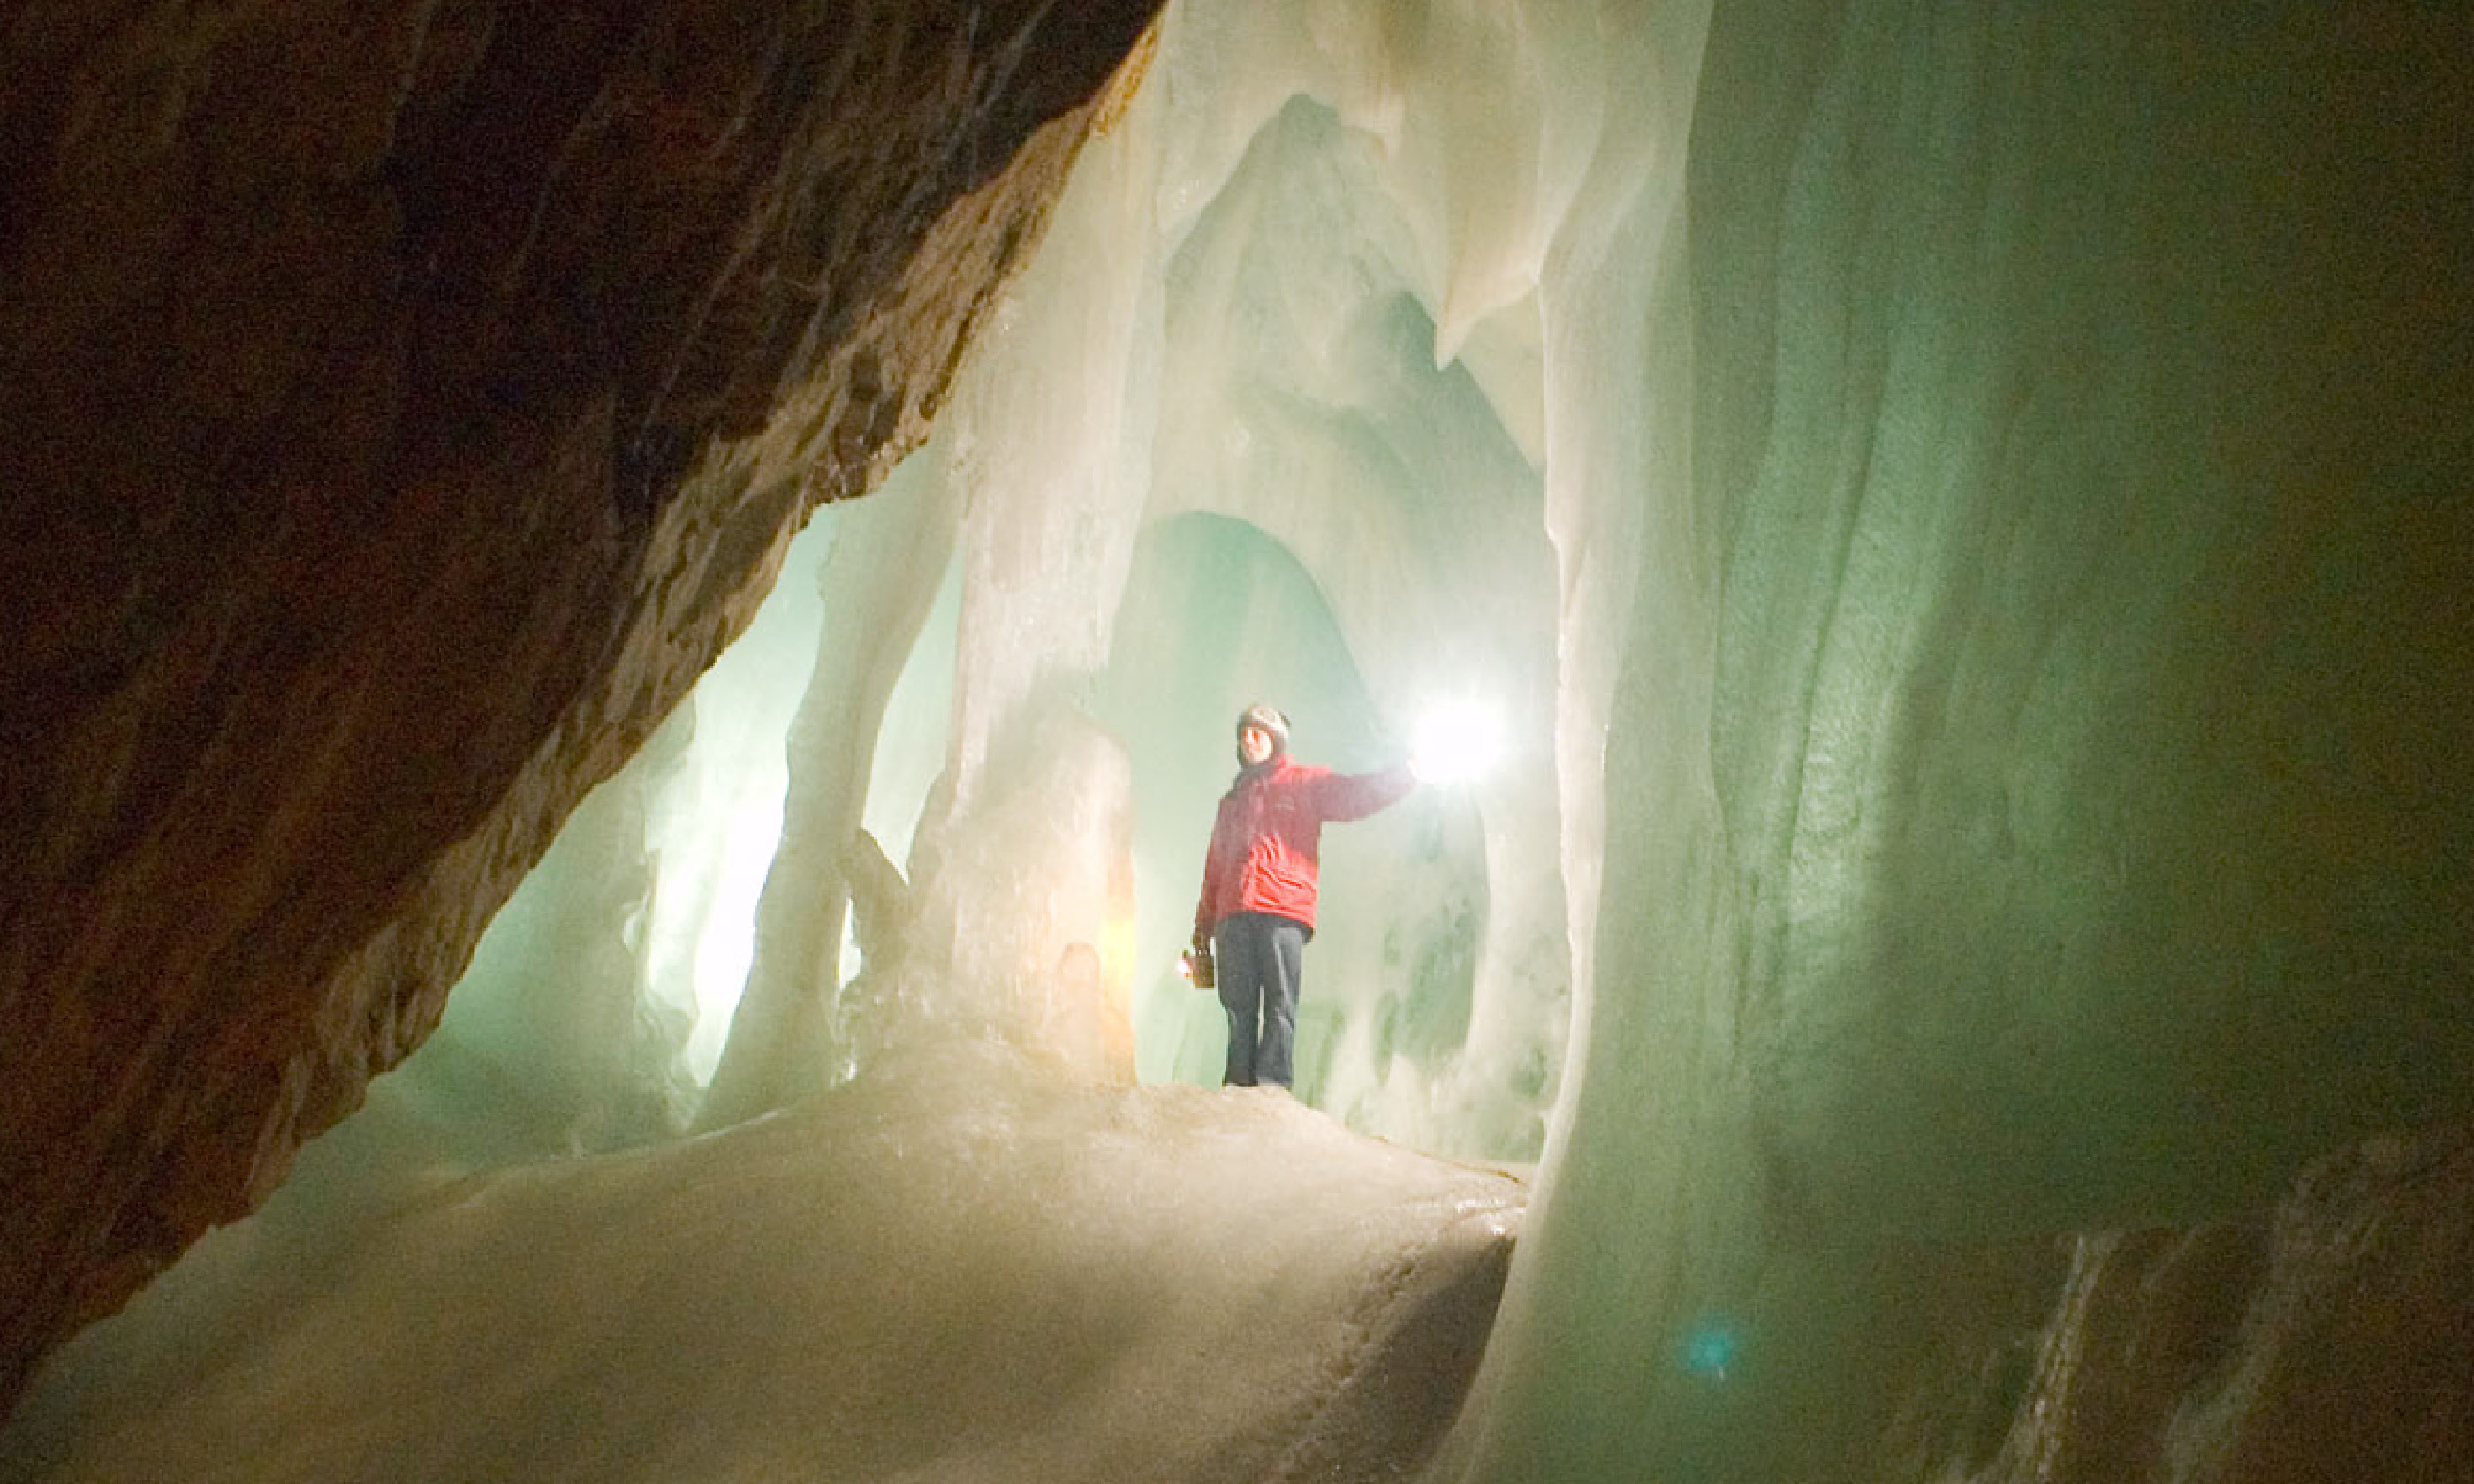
877	581
1019	901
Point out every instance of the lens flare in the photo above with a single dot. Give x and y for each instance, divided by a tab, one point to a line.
1709	1346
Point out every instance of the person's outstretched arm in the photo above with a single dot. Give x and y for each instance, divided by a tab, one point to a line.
1353	796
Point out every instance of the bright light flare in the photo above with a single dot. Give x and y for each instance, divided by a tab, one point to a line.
1455	742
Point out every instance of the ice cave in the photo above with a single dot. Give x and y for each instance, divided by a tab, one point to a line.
626	624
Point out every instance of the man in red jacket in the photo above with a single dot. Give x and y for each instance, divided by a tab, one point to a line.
1258	886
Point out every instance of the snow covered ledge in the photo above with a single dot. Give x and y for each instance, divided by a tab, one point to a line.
968	1266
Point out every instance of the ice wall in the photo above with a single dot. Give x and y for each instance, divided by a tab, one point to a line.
557	1011
2051	818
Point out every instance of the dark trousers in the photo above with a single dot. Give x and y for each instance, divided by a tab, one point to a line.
1259	962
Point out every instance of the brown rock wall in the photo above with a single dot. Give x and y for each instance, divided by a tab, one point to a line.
402	403
2322	1339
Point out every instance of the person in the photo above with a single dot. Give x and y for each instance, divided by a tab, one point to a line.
1259	880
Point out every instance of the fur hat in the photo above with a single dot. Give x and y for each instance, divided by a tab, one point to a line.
1270	719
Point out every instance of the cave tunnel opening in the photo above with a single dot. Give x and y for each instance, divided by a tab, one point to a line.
1274	485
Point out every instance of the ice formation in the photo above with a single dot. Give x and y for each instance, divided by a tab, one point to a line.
1231	436
952	1270
1964	775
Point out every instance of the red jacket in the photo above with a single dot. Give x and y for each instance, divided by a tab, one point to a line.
1265	844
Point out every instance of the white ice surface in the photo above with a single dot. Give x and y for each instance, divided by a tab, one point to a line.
969	1268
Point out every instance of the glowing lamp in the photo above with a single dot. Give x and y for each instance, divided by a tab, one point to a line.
1455	742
